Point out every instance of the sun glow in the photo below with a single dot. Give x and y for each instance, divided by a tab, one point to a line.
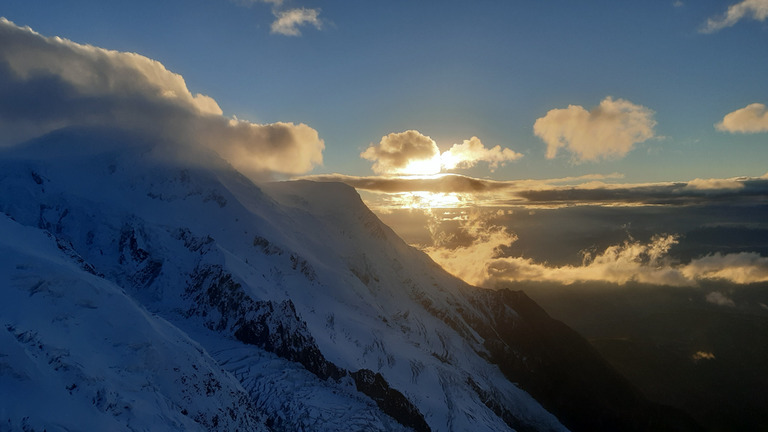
423	166
427	200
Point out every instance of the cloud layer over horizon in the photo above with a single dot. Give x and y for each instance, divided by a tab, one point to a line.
593	189
49	83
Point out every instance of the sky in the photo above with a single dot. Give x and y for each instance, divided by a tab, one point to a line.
448	117
452	70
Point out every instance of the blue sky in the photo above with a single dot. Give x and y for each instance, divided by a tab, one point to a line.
610	127
457	69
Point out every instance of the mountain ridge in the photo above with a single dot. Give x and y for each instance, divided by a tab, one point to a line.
298	277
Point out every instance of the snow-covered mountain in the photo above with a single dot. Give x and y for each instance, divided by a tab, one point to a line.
149	287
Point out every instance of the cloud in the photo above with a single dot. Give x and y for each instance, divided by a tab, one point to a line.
411	152
407	152
289	21
719	299
742	268
482	262
715	184
755	9
608	131
591	189
49	83
472	151
751	119
702	355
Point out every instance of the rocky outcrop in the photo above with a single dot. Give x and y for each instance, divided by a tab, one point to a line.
276	327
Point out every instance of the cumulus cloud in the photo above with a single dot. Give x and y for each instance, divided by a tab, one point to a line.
287	22
482	262
411	152
755	9
610	130
49	83
751	119
407	152
472	151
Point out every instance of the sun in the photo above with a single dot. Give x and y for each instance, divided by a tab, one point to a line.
422	166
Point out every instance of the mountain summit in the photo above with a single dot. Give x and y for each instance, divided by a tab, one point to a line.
147	287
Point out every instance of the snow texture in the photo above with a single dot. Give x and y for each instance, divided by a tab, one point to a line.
144	291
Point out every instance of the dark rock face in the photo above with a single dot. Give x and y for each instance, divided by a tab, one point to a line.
563	371
389	400
276	327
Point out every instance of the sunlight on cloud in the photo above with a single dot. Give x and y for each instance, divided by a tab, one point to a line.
471	151
426	200
52	83
751	119
755	9
702	355
407	152
410	152
715	184
608	131
289	21
482	262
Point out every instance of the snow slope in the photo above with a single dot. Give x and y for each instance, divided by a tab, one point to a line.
150	287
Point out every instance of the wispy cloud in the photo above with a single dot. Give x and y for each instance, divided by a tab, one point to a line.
471	151
287	22
482	262
755	9
720	299
609	130
751	119
48	83
702	355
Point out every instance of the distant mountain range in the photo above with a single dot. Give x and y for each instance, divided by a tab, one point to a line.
150	286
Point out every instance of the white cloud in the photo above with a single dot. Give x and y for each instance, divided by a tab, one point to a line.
751	119
719	299
472	151
407	152
289	21
755	9
52	83
610	130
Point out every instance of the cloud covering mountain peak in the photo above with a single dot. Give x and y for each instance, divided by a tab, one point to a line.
86	85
